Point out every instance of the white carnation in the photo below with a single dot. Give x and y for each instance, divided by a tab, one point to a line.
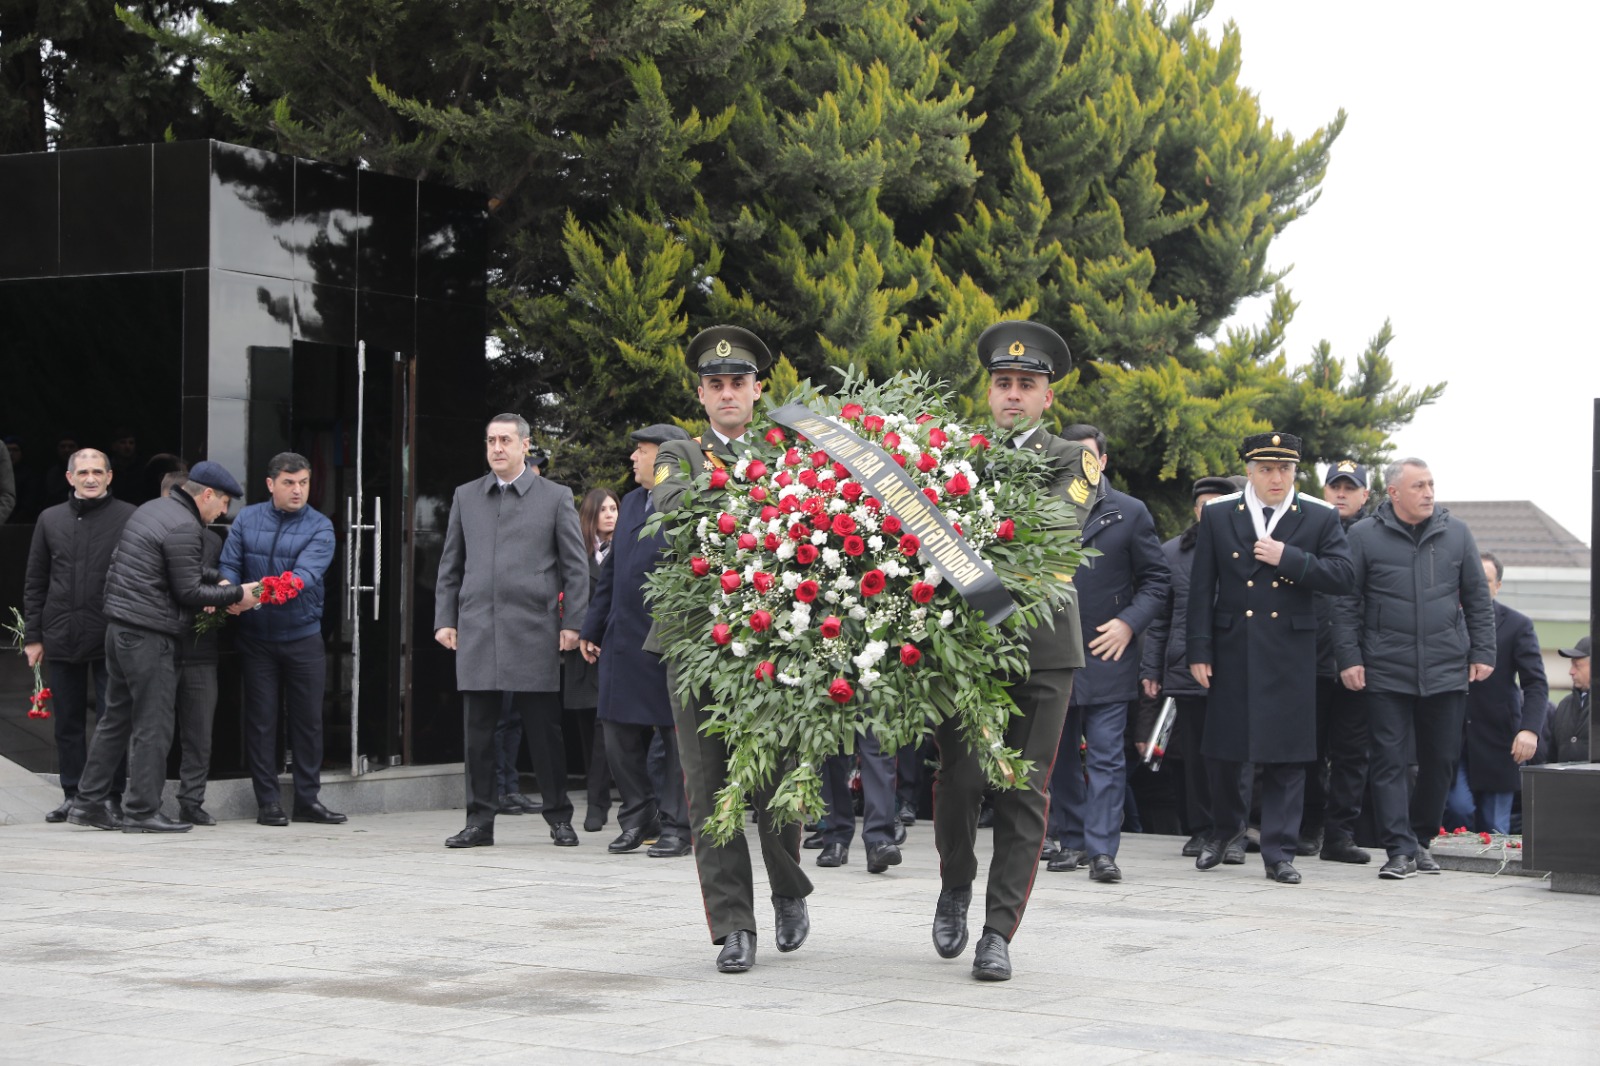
738	649
820	537
947	619
831	558
785	552
859	613
868	677
875	543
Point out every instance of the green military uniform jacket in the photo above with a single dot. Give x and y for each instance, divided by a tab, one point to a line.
1078	484
677	461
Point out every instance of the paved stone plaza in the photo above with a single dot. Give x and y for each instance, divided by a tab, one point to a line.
370	942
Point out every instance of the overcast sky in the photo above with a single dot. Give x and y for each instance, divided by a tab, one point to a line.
1459	204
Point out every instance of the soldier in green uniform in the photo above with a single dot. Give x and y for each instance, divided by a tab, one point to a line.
729	361
1023	359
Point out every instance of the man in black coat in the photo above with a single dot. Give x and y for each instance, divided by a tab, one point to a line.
1261	556
156	582
62	600
1566	733
1417	630
1505	715
1164	673
1120	592
634	709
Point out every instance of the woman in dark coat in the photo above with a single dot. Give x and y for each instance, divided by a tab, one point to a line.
580	681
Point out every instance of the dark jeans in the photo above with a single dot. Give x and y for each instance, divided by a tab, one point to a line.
627	751
197	707
877	795
289	675
141	682
1336	781
540	713
69	706
1438	721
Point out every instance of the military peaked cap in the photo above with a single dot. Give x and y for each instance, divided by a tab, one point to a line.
1026	346
727	350
1272	446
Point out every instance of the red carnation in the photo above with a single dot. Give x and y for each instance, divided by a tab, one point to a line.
1006	529
791	457
765	671
910	655
762	581
774	435
851	411
853	545
831	626
891	524
758	493
720	633
922	592
719	478
819	459
872	582
891	440
909	546
840	691
872	423
761	621
843	524
805	554
932	494
806	591
926	462
958	485
813	506
755	471
979	441
731	581
851	491
726	523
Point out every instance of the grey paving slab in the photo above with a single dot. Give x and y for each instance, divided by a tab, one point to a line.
371	943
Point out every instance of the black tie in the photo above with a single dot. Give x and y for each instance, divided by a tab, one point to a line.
1266	517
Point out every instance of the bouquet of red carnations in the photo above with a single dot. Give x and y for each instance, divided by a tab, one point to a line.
269	590
39	702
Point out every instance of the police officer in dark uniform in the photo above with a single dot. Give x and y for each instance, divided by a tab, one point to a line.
729	361
1023	359
1261	557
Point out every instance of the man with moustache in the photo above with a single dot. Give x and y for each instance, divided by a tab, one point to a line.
729	361
1023	359
1261	557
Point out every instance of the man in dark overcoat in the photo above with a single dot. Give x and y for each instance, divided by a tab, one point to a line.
513	556
729	361
1262	555
1505	715
1023	359
634	709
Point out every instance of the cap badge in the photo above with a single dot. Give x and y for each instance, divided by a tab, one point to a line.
1276	439
1017	348
1347	466
725	349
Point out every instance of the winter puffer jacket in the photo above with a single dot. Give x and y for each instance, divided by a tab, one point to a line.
65	588
1421	610
157	577
265	542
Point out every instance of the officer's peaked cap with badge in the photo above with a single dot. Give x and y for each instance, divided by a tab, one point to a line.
1029	346
727	350
1348	469
659	433
1271	446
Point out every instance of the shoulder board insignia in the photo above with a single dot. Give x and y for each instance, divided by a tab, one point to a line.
1224	499
1079	491
1091	467
1306	497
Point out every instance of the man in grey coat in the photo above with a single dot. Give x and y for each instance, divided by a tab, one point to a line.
512	591
1418	629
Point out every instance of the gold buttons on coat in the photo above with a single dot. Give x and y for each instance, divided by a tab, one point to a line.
1274	584
1249	584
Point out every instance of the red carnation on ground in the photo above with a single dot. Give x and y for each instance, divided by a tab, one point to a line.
853	545
806	591
851	411
747	542
840	691
755	471
731	581
831	626
775	436
926	462
805	554
719	478
958	485
699	567
726	523
720	633
843	524
922	592
872	582
761	621
765	671
762	581
1006	529
910	655
910	545
891	524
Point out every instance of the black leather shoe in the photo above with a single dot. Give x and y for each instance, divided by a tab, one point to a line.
950	921
628	840
738	952
907	814
59	815
1283	872
1193	846
154	822
899	836
316	812
1426	863
594	821
1104	868
93	815
669	848
1233	854
1309	844
792	920
114	805
271	814
1398	868
813	842
1065	861
195	814
992	960
1049	849
834	855
528	804
1213	851
882	856
509	805
985	817
564	835
1343	849
473	836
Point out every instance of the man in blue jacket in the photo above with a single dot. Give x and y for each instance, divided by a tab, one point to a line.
1120	592
280	647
